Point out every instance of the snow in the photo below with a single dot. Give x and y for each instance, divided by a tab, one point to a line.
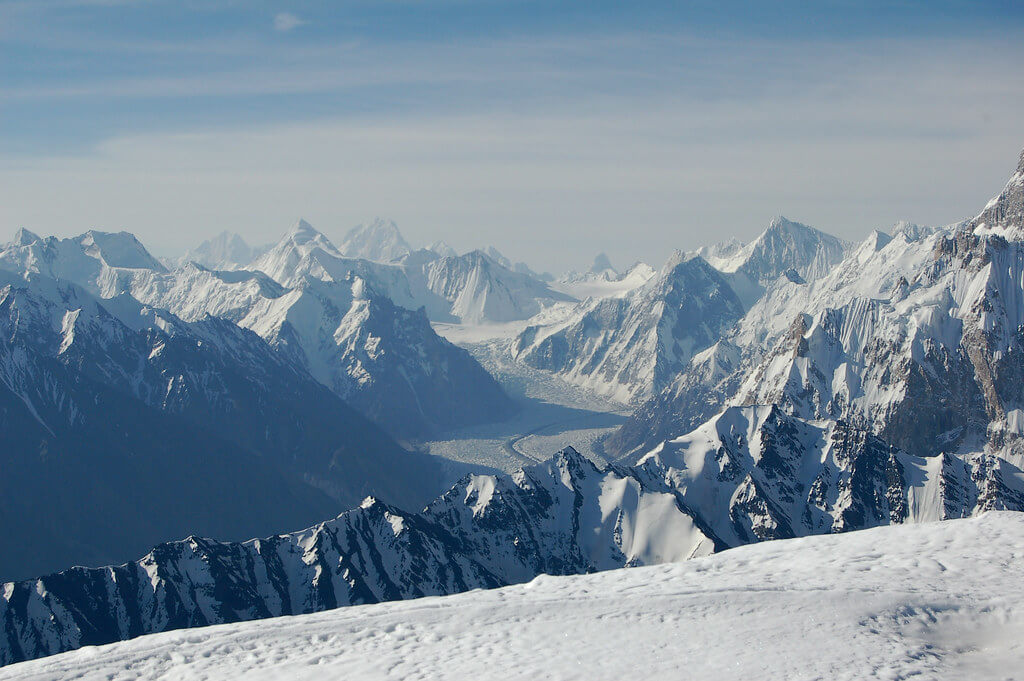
930	601
226	251
379	240
443	249
603	284
626	347
551	414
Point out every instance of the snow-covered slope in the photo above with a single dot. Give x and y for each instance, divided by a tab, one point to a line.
630	347
782	247
564	516
100	261
378	240
632	343
754	473
589	285
480	290
383	359
934	601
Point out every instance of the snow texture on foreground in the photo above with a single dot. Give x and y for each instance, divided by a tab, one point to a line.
937	600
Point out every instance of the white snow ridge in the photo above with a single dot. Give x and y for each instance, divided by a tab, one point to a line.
930	601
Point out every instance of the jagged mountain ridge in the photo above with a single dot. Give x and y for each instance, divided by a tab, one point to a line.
111	406
750	474
487	531
384	359
629	347
783	247
914	336
624	346
472	288
481	290
933	601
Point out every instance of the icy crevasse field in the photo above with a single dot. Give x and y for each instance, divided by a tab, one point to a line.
937	600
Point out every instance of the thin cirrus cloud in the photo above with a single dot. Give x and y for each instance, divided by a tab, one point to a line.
286	21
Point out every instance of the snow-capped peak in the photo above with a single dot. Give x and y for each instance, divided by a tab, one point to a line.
378	240
302	232
443	249
1004	214
784	245
911	231
294	255
226	251
118	249
677	258
24	237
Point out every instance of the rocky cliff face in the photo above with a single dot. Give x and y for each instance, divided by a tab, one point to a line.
630	347
562	517
915	337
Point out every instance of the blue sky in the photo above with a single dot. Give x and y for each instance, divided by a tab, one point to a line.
551	130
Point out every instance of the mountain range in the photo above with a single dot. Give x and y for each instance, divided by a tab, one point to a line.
116	410
320	310
934	600
792	386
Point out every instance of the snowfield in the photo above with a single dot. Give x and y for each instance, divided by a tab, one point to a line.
930	601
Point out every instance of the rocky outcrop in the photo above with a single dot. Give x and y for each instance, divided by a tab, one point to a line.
631	347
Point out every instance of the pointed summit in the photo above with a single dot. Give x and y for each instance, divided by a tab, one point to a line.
378	240
443	249
1006	211
301	232
226	251
300	244
497	256
784	245
24	237
602	264
304	237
